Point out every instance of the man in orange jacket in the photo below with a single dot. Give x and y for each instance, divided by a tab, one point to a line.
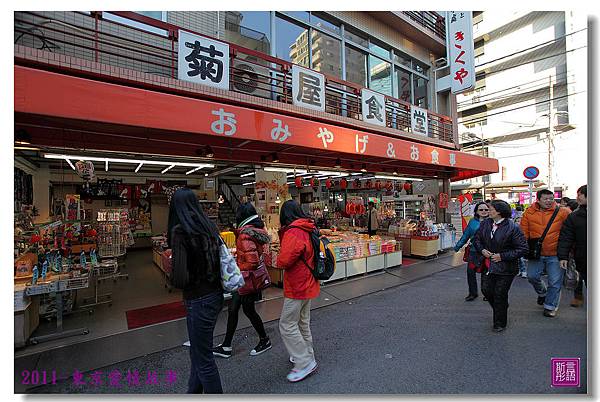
534	222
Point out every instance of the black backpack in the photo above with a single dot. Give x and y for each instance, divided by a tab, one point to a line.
324	261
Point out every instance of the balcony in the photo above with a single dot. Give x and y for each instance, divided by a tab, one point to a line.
109	47
430	20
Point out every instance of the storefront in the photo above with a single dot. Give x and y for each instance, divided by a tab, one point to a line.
99	150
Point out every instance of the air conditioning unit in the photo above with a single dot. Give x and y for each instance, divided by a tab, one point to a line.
251	78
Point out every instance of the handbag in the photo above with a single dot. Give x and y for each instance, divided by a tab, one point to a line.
571	276
231	277
466	253
535	245
256	280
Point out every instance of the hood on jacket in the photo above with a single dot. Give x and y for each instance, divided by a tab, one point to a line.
259	235
304	224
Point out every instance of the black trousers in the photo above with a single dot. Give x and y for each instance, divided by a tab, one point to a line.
582	269
495	287
247	304
472	281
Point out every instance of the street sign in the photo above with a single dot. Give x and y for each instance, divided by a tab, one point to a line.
531	172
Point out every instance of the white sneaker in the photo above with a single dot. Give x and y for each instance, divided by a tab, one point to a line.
299	375
292	360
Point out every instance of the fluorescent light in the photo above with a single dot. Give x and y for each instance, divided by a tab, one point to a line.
285	170
166	170
194	170
247	174
133	161
106	165
397	178
355	174
330	173
139	167
70	164
249	184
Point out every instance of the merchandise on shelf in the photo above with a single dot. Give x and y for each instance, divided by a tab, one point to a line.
114	234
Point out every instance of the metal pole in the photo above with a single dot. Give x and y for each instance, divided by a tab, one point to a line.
550	135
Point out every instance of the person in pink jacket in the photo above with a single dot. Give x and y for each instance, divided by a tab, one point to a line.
299	288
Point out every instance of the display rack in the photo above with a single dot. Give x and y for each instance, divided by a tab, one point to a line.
104	271
114	234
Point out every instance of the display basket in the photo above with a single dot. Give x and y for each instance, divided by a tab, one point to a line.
105	270
74	283
40	289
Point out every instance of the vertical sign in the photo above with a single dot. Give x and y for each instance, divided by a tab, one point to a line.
461	52
308	88
418	121
373	107
203	61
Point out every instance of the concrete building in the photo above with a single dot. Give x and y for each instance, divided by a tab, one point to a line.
529	106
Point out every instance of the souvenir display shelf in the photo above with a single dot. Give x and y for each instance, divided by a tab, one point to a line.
114	234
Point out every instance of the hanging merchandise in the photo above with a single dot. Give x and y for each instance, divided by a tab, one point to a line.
443	201
315	183
328	184
344	184
298	182
378	185
369	184
155	186
85	170
408	187
398	186
356	183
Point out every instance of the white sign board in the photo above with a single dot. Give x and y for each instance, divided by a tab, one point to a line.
373	107
308	88
203	61
418	121
461	50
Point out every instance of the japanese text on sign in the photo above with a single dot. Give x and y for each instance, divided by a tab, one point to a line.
461	51
373	108
418	119
308	88
203	61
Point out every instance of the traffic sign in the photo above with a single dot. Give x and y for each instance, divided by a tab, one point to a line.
531	172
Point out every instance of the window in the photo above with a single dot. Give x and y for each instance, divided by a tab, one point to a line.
291	43
157	15
380	51
301	15
326	51
139	25
403	83
420	67
356	66
420	87
321	23
251	29
381	74
402	59
356	38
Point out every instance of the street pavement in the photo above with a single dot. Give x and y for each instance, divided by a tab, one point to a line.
417	338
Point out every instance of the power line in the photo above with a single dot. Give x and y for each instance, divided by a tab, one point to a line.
533	47
518	108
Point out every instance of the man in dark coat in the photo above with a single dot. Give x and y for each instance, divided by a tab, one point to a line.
573	235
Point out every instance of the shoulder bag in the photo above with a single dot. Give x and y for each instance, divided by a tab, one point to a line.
257	280
535	245
231	277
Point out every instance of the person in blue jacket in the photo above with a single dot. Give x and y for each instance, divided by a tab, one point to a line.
481	212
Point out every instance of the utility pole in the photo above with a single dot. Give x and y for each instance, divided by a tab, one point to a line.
550	135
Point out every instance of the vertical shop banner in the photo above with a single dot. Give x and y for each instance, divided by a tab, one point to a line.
418	121
373	108
461	50
308	88
203	61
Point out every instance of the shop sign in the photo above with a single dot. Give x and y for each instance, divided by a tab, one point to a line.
373	108
203	61
308	88
418	121
461	49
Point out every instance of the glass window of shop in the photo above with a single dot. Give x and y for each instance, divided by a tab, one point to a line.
352	36
291	42
420	88
420	67
157	15
381	75
326	54
250	29
356	66
402	59
301	15
403	83
379	50
318	20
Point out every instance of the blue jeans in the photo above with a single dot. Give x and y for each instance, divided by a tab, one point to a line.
555	278
522	265
202	316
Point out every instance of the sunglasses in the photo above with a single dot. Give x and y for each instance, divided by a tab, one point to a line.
482	210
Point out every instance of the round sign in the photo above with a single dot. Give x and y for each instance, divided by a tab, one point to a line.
531	172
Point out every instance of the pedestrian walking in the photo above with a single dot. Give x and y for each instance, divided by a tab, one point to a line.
299	288
574	235
373	223
541	225
522	262
195	242
480	213
500	243
252	242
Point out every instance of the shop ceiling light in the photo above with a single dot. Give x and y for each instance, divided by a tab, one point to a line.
137	169
133	161
364	168
165	170
195	170
248	184
70	164
247	174
397	178
106	166
330	173
284	170
275	157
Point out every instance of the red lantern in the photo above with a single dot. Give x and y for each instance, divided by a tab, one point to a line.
344	184
407	186
314	182
328	184
298	182
35	239
378	185
389	186
369	184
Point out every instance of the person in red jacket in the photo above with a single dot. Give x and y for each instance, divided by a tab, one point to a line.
252	241
296	258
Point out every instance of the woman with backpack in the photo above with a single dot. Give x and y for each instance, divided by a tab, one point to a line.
195	242
299	288
500	243
252	241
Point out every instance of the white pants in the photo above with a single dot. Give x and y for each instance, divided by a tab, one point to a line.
294	326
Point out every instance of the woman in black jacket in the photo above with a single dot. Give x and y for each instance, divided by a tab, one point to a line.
195	242
501	243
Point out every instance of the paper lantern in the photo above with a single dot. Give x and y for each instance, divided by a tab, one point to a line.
344	184
298	182
328	183
314	182
389	186
378	185
407	186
